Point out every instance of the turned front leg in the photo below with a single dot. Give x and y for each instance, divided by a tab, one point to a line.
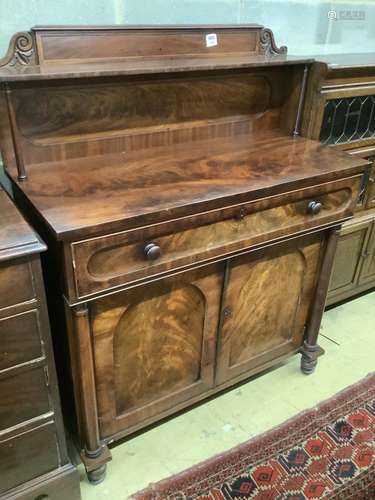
311	350
95	454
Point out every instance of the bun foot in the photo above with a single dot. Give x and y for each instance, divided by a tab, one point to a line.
97	476
96	464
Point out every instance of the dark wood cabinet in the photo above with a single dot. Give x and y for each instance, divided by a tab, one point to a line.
190	228
261	320
339	111
154	346
33	455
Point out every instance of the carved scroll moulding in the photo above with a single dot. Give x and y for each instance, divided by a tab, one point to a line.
268	45
21	51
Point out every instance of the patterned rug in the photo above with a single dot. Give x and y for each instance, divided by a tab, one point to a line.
326	452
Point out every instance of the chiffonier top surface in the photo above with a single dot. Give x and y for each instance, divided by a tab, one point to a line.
16	236
84	196
137	67
143	67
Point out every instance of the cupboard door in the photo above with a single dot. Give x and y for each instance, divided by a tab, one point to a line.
368	269
154	347
348	260
266	303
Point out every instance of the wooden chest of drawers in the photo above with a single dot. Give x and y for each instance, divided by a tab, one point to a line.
33	458
190	229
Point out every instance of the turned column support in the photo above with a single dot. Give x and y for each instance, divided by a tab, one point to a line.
95	454
15	134
310	349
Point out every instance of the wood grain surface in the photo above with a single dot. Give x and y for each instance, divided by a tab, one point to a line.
84	196
155	346
20	339
104	263
266	304
16	236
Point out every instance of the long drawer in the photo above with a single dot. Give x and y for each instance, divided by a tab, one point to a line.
23	396
113	260
16	283
27	456
20	339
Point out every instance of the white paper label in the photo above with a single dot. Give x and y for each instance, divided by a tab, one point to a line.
211	40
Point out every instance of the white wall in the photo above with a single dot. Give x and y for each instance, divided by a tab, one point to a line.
303	25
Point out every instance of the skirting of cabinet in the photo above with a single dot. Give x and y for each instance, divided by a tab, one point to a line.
351	294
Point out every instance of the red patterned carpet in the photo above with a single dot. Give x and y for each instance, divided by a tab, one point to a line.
326	452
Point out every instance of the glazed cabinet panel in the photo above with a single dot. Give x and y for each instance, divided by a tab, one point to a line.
154	346
262	318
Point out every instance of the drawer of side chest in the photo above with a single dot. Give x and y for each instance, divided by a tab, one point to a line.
107	262
27	456
16	284
23	396
20	339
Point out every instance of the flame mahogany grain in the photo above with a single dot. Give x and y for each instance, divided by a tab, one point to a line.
117	138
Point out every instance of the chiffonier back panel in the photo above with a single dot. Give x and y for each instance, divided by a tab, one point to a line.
94	91
76	120
66	45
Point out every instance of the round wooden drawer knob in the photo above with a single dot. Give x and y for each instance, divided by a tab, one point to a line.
314	207
152	251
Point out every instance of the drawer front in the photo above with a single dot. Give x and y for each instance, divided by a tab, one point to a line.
20	339
107	262
28	456
60	484
23	396
16	284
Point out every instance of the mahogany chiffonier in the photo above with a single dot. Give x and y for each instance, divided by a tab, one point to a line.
33	459
191	231
340	112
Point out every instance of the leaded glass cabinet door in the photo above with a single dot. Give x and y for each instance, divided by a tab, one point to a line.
347	119
265	305
154	347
